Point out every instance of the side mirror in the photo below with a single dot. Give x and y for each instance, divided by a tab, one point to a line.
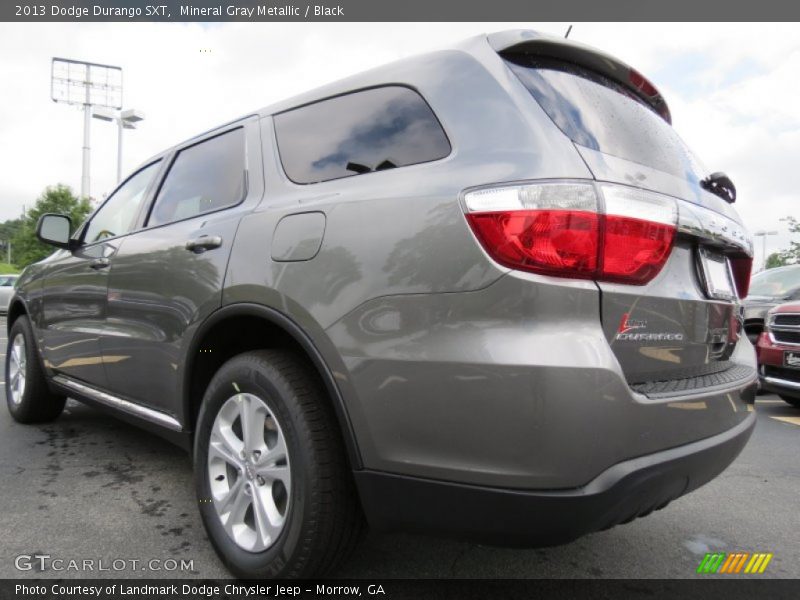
54	229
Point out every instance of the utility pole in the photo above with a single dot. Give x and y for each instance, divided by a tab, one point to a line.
87	121
77	82
763	235
125	119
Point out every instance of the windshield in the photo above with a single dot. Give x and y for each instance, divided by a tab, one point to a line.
775	283
598	113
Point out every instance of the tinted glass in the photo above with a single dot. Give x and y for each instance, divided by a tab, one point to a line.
366	131
204	177
778	283
603	115
118	215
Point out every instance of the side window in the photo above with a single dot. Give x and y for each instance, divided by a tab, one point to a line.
118	215
203	178
361	132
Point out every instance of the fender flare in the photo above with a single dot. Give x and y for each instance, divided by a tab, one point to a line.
299	335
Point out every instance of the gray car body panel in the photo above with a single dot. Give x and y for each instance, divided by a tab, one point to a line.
448	365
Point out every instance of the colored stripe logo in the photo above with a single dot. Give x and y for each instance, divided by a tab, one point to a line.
734	562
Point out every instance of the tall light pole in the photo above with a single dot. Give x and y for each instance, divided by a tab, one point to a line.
125	119
763	235
89	85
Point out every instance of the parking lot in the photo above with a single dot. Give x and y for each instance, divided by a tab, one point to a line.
89	487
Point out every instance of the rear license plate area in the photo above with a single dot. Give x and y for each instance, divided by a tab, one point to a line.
715	274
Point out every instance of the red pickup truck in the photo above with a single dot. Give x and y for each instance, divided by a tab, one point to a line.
779	352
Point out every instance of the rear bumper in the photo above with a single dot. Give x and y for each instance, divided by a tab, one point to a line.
515	386
630	489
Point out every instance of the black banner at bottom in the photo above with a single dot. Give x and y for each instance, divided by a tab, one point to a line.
500	589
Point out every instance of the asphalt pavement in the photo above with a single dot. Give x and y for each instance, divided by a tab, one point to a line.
88	487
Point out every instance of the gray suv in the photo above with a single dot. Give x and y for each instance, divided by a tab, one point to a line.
487	292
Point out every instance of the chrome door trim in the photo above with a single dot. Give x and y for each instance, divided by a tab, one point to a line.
131	408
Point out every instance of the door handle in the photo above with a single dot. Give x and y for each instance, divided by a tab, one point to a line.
99	263
203	243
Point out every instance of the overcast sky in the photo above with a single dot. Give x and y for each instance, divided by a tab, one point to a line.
733	90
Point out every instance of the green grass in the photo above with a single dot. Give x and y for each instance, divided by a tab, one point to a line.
6	269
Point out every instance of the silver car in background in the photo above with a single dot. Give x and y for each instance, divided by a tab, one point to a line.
6	291
768	289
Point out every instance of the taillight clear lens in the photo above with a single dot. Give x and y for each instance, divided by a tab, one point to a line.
557	229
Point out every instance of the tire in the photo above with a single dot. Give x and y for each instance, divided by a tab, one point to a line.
309	491
28	396
790	400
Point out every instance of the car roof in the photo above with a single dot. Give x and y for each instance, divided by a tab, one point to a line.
477	48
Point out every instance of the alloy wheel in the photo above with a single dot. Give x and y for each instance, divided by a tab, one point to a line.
249	472
17	363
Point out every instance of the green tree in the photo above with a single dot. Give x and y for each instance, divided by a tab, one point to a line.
8	230
776	259
26	247
792	254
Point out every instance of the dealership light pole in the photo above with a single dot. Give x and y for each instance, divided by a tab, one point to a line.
763	235
125	119
89	85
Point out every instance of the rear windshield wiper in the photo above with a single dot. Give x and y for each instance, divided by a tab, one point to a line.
357	168
721	185
386	164
362	168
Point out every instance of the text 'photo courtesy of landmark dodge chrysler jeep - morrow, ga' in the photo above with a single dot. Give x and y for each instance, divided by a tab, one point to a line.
470	293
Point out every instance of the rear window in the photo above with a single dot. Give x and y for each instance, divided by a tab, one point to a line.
598	113
203	178
362	132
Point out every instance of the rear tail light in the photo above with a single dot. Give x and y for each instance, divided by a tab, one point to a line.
575	229
741	268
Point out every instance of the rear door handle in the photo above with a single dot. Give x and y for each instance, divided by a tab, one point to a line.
203	243
99	263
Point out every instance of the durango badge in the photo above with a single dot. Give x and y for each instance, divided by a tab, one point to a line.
627	332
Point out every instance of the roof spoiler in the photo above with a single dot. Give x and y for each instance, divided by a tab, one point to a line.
521	41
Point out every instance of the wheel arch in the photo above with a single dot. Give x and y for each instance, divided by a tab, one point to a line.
296	337
16	309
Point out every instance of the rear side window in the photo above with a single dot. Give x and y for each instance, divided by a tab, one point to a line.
361	132
600	114
203	178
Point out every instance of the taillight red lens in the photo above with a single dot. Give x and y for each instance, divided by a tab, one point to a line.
741	269
557	229
634	250
554	242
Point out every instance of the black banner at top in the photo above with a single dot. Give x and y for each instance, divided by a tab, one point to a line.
405	10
